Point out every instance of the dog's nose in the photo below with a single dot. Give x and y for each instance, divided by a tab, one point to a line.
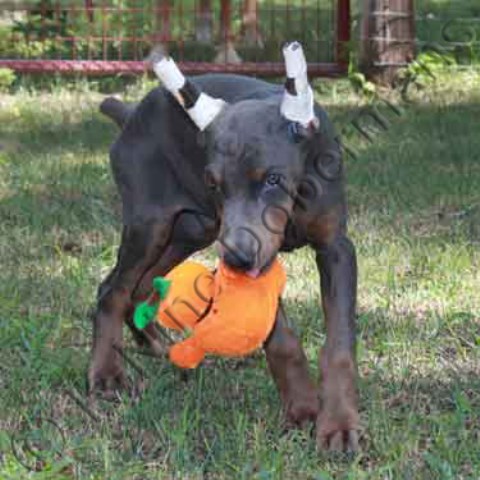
239	260
240	248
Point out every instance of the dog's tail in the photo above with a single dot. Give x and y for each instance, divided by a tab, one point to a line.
118	111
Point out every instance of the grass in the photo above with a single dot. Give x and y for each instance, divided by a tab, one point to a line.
415	219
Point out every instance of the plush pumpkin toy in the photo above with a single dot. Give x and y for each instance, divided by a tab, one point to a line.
226	313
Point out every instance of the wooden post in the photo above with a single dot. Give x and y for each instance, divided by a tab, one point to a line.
387	38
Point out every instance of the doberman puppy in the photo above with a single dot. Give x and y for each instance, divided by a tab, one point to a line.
258	168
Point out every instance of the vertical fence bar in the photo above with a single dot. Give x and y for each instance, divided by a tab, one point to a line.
181	21
343	35
89	9
317	18
58	33
43	11
287	18
104	30
122	30
225	22
258	40
273	33
132	31
303	21
72	38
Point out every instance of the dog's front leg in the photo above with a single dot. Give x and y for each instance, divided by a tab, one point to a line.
141	247
337	424
288	364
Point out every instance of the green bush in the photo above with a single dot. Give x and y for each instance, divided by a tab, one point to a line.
7	77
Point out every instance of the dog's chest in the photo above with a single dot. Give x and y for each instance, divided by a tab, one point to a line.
295	237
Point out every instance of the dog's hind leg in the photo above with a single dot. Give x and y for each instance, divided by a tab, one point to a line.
288	365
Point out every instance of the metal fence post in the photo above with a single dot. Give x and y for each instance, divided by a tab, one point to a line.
343	32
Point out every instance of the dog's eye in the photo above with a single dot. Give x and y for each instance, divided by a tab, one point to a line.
273	179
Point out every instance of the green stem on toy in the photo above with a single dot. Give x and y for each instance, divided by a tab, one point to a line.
146	311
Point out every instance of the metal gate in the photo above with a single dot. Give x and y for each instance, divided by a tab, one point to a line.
104	37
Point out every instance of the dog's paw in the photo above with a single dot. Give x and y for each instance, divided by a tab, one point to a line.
301	409
338	432
106	386
105	380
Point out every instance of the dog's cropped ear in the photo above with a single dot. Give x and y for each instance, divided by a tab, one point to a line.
298	102
201	108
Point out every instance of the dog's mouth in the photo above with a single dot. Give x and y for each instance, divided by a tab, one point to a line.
256	272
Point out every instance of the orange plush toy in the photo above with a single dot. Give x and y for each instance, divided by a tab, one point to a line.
227	312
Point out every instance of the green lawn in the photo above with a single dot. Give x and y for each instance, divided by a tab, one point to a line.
415	218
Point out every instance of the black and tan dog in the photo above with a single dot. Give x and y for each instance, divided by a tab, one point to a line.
257	168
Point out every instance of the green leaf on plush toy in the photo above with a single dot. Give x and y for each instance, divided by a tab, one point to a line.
144	315
161	285
145	312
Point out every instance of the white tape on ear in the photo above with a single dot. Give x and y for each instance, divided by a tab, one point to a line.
205	110
296	65
170	75
299	108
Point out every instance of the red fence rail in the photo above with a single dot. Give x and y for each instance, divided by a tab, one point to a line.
102	37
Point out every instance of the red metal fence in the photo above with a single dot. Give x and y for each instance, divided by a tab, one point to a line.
102	37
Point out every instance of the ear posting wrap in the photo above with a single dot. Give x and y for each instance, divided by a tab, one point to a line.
201	108
297	104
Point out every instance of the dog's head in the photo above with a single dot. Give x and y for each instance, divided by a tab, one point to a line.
257	151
